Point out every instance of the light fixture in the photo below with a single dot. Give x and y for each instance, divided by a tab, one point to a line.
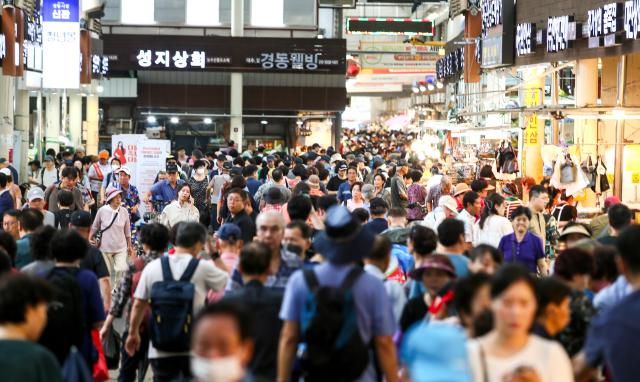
151	119
439	85
264	122
99	89
618	113
207	121
415	89
299	122
174	120
423	88
430	87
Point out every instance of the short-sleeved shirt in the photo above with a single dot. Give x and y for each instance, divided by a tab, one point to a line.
246	224
469	225
375	316
216	184
206	277
48	177
613	339
335	182
344	192
94	262
23	252
398	188
162	191
26	361
527	252
565	213
460	263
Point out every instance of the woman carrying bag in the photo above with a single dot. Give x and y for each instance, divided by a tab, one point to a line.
111	232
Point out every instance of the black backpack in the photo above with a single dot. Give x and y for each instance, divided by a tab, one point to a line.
333	348
63	218
65	316
172	309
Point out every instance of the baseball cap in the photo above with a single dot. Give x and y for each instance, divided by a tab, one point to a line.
172	168
227	165
342	167
449	202
3	160
229	231
81	219
6	171
35	193
611	201
104	154
124	169
49	158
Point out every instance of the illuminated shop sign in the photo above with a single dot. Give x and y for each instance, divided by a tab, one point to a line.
61	44
99	65
389	26
632	19
497	33
525	39
451	65
171	59
561	32
603	23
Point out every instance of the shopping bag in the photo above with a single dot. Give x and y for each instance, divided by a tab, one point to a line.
111	347
100	370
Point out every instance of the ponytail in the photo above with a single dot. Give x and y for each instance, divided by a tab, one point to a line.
490	204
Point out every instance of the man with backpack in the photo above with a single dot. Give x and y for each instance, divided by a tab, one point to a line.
76	307
340	315
175	288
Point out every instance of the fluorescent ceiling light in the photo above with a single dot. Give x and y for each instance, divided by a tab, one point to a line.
207	121
174	120
151	119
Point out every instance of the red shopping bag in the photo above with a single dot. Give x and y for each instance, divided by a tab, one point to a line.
100	369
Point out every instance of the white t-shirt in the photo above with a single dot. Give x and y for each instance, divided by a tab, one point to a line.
206	277
470	225
48	177
547	358
495	227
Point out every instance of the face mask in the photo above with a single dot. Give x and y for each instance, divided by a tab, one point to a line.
114	167
227	369
294	249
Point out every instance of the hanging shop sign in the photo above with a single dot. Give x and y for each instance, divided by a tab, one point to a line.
389	26
33	43
632	19
497	33
603	25
3	44
561	32
61	44
451	65
237	54
99	65
525	39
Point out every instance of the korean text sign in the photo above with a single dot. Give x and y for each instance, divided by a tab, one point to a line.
61	44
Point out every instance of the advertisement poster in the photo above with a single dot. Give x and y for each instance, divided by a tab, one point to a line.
143	156
61	44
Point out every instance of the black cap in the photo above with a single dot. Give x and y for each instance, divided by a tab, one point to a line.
172	168
311	156
235	171
227	165
81	219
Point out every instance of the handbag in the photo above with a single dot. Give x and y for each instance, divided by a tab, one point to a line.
111	348
567	171
589	171
100	369
98	236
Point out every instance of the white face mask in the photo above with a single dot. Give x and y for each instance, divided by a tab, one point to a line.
227	369
114	167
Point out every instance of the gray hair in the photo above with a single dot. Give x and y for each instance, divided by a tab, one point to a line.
266	216
368	191
446	181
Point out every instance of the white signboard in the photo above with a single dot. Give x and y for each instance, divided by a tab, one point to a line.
61	44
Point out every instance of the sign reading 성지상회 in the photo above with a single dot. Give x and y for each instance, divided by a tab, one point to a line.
61	44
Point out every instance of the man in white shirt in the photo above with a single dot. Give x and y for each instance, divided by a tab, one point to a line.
190	241
447	209
35	199
471	209
49	174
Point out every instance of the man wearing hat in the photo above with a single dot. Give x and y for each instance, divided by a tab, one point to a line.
447	209
574	232
336	181
278	181
35	200
166	191
343	244
130	195
97	172
458	192
273	199
4	163
49	174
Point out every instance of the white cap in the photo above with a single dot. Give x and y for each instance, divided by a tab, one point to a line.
449	202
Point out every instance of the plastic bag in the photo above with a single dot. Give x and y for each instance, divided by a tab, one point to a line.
111	347
100	370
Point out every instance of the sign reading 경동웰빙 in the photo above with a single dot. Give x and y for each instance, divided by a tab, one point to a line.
226	54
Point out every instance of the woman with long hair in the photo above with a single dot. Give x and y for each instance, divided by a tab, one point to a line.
509	352
493	225
180	210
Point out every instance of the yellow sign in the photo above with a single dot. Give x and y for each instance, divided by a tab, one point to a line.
531	131
635	178
632	157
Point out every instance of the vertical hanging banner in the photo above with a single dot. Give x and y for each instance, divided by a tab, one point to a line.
61	44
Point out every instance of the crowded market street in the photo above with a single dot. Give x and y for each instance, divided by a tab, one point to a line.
319	190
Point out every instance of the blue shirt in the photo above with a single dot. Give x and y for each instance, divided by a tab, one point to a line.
23	252
377	225
6	202
613	339
344	192
527	252
375	316
612	294
460	263
252	185
162	191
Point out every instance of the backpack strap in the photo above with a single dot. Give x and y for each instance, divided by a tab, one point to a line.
191	269
166	269
312	280
351	278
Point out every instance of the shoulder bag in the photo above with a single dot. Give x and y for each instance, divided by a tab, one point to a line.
98	236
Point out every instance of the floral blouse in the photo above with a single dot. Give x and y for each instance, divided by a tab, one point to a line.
417	195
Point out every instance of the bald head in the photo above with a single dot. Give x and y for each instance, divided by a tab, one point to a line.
270	227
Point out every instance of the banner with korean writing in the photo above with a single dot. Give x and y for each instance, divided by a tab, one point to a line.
143	156
61	44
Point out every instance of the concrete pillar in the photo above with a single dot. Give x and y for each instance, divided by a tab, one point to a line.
92	125
22	125
75	119
52	126
7	99
586	130
237	30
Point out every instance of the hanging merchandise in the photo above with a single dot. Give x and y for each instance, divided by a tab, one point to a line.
589	170
601	183
506	159
567	176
